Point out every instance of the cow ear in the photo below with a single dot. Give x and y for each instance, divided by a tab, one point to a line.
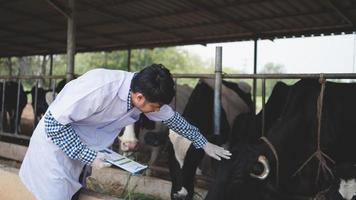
122	132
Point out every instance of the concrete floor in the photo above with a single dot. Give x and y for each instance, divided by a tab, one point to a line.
11	187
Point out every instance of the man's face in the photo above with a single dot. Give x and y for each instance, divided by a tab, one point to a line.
140	102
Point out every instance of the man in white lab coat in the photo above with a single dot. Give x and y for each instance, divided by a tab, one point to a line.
87	115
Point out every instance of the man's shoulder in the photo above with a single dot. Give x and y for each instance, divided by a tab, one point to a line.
104	71
101	75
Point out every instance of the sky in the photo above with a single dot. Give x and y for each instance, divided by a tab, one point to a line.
321	54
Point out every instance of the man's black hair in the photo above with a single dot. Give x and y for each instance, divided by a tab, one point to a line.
156	84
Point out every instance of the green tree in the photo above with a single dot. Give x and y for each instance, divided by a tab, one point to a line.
176	59
270	68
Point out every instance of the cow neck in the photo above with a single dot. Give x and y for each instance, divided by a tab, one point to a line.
319	154
283	129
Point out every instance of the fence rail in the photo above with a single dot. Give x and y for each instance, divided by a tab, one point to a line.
263	77
271	76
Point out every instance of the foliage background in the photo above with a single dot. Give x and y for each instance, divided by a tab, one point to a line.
176	59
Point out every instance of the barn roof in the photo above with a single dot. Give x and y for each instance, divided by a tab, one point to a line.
30	27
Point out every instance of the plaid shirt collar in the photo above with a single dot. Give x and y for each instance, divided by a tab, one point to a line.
129	97
129	101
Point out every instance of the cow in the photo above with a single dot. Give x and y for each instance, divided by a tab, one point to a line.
236	99
247	128
10	103
343	186
151	136
184	158
51	95
293	159
41	105
44	98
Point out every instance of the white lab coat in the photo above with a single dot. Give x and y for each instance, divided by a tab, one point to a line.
95	105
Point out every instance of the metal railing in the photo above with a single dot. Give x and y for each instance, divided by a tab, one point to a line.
263	77
53	81
20	80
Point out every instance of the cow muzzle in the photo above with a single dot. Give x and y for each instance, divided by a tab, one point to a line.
129	145
266	169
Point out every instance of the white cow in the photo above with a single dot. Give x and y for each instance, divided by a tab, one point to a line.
129	141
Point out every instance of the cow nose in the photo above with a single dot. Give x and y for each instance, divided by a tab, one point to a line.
136	146
131	146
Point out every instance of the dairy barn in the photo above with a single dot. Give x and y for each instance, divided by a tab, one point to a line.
293	139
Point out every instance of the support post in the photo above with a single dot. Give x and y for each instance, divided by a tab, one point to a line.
255	72
9	65
217	90
71	43
263	106
129	60
50	70
41	83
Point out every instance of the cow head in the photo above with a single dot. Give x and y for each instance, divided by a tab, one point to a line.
128	140
244	176
256	172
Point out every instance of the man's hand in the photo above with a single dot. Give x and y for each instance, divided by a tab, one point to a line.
100	161
216	152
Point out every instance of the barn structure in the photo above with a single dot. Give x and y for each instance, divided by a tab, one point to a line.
50	27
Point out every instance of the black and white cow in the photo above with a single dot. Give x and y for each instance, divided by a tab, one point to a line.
44	98
10	103
41	104
290	141
184	157
236	99
247	128
343	186
151	136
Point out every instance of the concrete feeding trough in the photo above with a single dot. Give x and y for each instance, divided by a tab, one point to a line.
11	187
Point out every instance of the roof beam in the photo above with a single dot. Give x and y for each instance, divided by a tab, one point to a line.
38	36
108	13
108	35
40	18
6	2
17	45
220	15
35	35
60	8
230	38
338	11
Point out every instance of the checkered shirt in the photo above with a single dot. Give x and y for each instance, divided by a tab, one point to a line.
129	103
178	124
65	137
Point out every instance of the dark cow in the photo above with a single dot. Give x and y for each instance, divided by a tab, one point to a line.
41	104
272	110
280	166
184	157
247	128
10	102
60	85
44	98
50	95
151	136
344	185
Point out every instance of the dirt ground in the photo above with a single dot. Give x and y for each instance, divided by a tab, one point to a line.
26	123
11	187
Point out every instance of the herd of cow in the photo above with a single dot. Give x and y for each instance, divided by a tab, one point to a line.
308	130
11	91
